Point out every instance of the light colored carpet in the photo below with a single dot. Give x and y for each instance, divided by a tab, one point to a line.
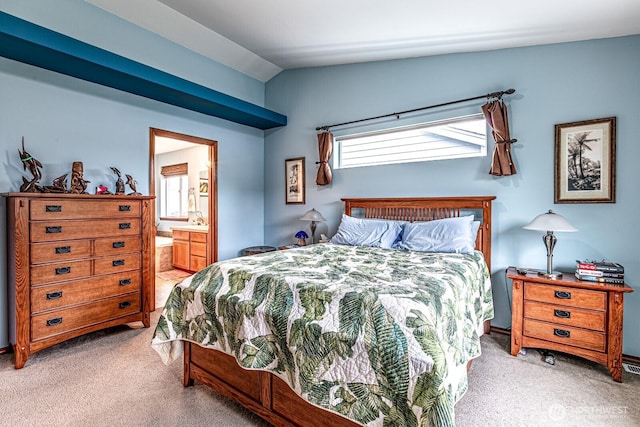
113	377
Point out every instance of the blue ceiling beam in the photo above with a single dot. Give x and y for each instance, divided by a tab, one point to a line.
32	44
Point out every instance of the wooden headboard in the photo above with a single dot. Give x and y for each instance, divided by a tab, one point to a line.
427	209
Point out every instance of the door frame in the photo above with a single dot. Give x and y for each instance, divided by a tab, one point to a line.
212	175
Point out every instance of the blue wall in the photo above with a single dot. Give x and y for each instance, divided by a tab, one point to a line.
555	84
64	120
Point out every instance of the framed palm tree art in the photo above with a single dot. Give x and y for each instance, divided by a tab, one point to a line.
585	161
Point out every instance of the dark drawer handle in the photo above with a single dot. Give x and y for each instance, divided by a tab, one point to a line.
63	249
562	333
124	225
125	304
54	295
55	229
55	321
117	262
53	208
563	294
117	245
124	208
125	282
63	270
562	314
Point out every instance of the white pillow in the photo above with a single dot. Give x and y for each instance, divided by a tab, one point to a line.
367	232
440	235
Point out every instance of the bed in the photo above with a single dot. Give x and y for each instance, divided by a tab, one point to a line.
334	334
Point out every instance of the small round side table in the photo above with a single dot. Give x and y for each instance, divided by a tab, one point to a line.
253	250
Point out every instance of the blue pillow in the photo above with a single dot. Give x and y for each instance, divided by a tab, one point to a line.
440	235
366	232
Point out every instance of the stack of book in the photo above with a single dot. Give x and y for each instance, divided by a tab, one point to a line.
600	271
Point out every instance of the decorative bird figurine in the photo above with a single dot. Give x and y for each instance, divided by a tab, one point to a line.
132	183
119	182
34	167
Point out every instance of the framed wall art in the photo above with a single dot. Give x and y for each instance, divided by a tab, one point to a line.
294	181
585	161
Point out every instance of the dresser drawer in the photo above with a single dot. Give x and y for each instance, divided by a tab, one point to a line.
60	251
569	335
117	245
61	271
564	315
114	264
198	237
198	249
64	230
52	297
59	321
582	298
179	235
197	263
71	209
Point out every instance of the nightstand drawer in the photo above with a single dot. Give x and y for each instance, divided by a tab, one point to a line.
562	315
582	298
564	334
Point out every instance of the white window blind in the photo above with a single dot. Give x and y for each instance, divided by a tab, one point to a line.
450	139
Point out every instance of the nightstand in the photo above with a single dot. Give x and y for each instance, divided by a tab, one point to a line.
569	315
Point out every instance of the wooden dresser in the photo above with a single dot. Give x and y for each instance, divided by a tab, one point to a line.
569	315
77	264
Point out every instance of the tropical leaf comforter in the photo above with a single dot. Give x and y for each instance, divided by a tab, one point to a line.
380	336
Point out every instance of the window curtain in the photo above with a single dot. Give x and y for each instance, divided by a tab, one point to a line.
497	117
325	148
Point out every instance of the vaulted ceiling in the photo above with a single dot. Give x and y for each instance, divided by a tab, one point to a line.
261	38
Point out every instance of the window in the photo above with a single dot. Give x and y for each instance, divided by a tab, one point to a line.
450	139
174	191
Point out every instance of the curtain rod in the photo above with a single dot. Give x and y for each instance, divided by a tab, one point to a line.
488	95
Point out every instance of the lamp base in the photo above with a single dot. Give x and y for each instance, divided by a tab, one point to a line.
552	275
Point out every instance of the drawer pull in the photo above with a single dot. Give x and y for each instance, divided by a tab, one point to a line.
562	333
125	304
54	295
562	314
562	294
124	208
117	262
124	225
63	270
55	321
53	229
63	249
53	208
117	245
125	282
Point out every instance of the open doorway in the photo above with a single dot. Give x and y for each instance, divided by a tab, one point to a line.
183	179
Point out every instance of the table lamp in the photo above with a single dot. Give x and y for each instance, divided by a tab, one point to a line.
313	216
550	222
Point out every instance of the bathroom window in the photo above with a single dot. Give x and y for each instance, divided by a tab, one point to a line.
174	191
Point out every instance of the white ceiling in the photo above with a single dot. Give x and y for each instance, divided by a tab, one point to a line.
262	37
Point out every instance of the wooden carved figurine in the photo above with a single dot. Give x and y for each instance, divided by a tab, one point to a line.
78	183
119	182
132	183
28	161
59	185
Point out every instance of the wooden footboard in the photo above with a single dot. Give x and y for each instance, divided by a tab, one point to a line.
260	392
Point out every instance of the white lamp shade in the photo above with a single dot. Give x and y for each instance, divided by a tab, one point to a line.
550	221
312	215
